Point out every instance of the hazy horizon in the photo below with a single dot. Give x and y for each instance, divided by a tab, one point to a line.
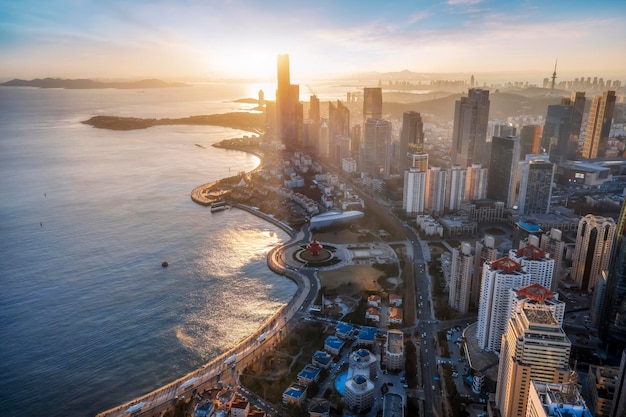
241	39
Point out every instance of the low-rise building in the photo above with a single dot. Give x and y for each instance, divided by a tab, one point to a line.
372	314
366	336
395	315
394	350
319	407
373	301
295	394
343	330
240	409
322	359
395	300
333	345
309	374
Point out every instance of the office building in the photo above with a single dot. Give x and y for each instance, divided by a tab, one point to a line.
613	322
599	125
461	277
556	400
536	262
498	278
530	140
594	242
372	103
338	131
314	108
536	174
414	191
501	185
418	160
562	128
485	250
534	348
376	140
552	243
455	192
469	134
411	138
436	187
476	185
289	109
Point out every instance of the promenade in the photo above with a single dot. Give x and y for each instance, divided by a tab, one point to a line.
227	366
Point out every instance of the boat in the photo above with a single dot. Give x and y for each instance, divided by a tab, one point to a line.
219	205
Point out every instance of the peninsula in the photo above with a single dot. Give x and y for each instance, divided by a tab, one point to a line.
252	122
89	84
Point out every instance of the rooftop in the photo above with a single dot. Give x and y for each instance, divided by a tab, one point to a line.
540	316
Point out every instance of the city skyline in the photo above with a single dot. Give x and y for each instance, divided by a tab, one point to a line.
239	39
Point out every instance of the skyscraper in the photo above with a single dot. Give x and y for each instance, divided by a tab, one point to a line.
376	139
594	242
498	278
534	348
503	169
562	128
469	135
599	125
436	186
414	191
460	277
372	103
536	175
411	138
289	109
530	140
338	129
456	188
476	185
484	251
536	262
613	323
551	243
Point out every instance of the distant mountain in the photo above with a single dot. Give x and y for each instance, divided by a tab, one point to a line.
502	105
89	84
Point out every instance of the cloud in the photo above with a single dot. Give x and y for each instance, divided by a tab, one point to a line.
463	2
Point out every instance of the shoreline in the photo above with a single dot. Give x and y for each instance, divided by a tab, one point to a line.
211	372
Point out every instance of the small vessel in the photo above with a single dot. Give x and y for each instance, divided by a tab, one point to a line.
164	264
219	205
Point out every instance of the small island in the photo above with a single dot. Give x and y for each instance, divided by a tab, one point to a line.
252	122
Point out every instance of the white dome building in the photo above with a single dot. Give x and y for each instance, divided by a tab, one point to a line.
359	393
363	362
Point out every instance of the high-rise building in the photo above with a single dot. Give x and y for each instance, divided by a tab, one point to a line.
414	191
536	175
436	186
536	296
619	398
594	242
461	277
411	138
418	160
562	128
376	139
501	185
469	135
553	244
534	348
498	278
599	125
607	389
355	141
485	250
456	188
613	322
556	400
476	185
289	109
314	108
530	140
372	103
338	130
394	350
536	262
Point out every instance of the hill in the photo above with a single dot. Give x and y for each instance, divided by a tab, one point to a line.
89	84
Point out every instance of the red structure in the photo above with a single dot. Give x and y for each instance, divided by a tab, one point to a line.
314	247
536	292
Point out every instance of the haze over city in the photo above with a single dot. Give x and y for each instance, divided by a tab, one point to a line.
239	39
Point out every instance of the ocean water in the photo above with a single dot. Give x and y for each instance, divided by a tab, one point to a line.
88	317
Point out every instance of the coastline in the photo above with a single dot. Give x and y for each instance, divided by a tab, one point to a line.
208	374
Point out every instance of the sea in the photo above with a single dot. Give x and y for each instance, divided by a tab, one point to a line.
89	319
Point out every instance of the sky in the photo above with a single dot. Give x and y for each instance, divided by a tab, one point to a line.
208	39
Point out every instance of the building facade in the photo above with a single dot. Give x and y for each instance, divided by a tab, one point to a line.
461	278
536	176
594	242
501	185
599	125
469	135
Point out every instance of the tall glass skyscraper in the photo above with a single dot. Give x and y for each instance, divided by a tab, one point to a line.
469	135
613	322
